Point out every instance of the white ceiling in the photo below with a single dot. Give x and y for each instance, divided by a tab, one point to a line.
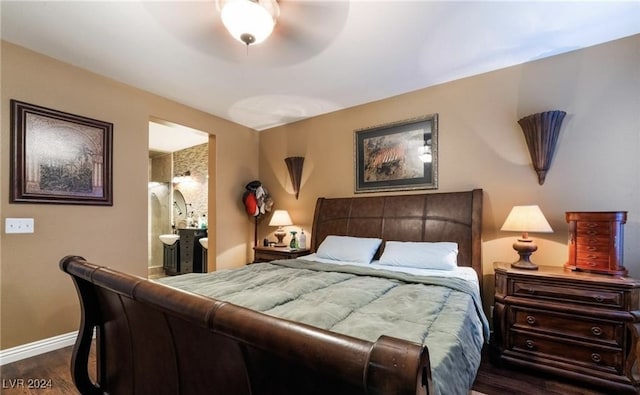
323	55
170	137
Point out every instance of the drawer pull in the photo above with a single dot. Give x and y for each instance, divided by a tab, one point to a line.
531	320
595	357
531	345
592	232
592	225
591	256
599	298
592	264
531	291
591	248
596	331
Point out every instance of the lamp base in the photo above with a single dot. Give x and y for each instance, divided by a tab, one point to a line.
525	247
527	265
280	234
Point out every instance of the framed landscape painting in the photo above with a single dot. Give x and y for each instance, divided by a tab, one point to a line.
60	158
397	156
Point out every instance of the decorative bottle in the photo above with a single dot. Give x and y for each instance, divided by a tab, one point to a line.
294	242
302	241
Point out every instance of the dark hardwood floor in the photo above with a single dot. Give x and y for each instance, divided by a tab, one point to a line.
51	371
494	380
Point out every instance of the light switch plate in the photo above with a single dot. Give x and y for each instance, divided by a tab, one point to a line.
18	225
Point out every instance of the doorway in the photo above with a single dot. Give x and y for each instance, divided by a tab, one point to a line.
178	166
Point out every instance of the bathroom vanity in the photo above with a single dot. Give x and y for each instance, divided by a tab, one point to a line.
170	259
185	255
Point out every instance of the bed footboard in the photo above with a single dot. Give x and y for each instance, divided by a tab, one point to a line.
154	339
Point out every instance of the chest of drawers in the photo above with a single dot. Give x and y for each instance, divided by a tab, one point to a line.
578	325
596	241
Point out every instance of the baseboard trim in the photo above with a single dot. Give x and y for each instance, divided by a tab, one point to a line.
155	271
36	348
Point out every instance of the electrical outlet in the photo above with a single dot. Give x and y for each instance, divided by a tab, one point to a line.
18	225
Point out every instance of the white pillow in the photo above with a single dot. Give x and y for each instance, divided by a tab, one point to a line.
424	255
347	248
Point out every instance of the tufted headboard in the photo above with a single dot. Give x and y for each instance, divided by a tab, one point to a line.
450	216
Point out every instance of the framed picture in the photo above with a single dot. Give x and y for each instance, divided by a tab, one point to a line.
397	156
60	158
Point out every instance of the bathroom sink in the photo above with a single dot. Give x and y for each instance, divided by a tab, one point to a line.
204	242
169	239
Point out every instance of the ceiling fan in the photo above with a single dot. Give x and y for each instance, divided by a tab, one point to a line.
249	21
301	29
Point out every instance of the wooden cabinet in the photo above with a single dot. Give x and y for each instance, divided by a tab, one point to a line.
191	250
596	241
578	325
170	259
266	254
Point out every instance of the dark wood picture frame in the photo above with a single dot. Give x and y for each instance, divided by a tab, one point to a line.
388	157
59	158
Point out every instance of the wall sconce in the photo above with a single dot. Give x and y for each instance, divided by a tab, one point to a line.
178	178
526	219
541	133
294	164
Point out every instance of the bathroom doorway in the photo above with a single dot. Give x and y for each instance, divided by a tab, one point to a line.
178	167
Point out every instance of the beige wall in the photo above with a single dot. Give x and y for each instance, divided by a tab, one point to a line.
37	300
596	166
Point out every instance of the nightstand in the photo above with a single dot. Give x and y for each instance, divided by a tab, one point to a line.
582	326
266	254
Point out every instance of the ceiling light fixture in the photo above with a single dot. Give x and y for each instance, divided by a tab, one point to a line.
249	21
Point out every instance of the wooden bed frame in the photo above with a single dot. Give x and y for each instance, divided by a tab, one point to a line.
154	339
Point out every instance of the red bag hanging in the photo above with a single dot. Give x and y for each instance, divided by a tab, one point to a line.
251	203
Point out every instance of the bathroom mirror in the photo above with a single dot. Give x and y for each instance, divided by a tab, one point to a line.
179	210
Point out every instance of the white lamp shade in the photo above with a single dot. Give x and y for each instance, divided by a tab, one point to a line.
526	219
255	18
280	218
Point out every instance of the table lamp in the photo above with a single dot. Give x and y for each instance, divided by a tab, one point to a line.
526	219
280	218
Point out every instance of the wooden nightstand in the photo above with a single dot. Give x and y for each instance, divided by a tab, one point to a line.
582	326
266	254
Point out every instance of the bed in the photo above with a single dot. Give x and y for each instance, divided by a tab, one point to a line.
328	323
